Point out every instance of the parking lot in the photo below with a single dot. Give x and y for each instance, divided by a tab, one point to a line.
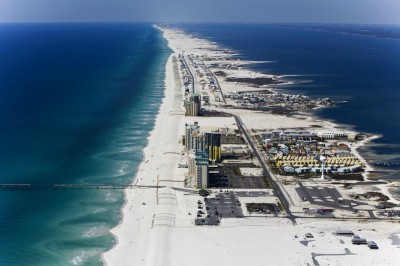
324	196
222	205
228	178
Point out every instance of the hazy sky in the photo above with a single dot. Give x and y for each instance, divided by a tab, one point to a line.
340	11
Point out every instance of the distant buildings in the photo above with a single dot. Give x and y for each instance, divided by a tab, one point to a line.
287	135
306	134
201	170
197	142
194	139
297	151
193	105
202	149
213	146
209	142
335	134
198	168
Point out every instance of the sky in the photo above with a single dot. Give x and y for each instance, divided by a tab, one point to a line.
270	11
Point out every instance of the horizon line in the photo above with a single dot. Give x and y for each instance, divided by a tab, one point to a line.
186	22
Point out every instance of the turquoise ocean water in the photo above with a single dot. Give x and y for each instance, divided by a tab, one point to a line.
77	104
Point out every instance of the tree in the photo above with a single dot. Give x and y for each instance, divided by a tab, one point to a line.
204	192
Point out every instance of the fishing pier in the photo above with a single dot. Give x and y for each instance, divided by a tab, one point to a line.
15	186
78	186
100	186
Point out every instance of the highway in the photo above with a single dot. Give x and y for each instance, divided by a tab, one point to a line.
275	186
190	72
215	78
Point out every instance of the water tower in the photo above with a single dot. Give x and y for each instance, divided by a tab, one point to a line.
322	159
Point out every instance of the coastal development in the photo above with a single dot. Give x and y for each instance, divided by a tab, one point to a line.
236	170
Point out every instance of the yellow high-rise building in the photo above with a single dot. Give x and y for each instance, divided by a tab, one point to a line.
213	145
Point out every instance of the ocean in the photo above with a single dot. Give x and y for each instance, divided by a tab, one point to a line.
357	66
77	104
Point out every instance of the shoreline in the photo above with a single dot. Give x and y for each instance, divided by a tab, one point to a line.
134	198
155	227
310	116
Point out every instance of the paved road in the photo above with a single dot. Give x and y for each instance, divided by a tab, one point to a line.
278	190
275	186
216	79
190	72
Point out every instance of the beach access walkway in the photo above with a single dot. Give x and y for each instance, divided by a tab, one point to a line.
80	186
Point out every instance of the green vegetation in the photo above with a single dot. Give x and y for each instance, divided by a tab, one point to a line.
236	170
204	192
280	207
267	183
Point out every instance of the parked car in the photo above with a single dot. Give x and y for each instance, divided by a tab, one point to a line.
309	235
372	245
359	241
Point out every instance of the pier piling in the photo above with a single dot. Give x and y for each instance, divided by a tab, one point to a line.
15	186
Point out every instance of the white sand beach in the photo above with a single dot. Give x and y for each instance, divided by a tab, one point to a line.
159	168
158	222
